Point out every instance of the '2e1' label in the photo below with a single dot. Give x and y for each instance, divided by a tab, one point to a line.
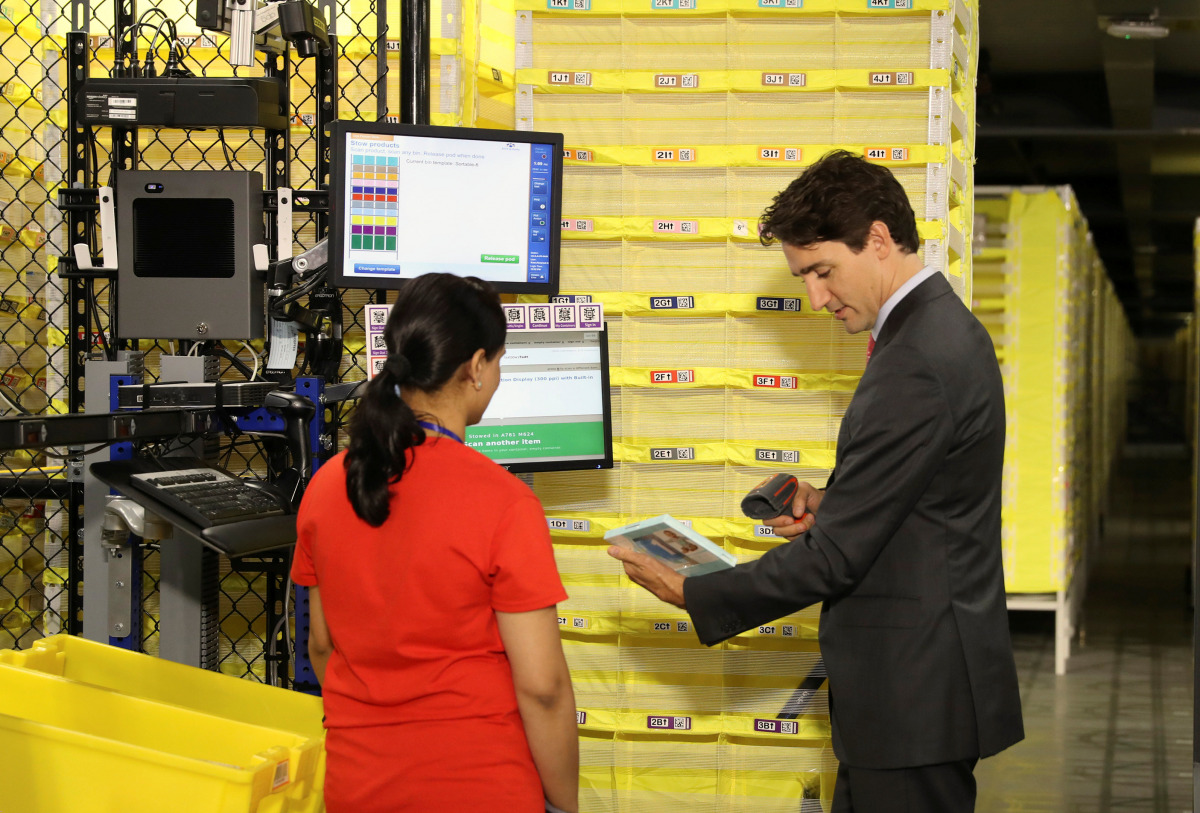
674	453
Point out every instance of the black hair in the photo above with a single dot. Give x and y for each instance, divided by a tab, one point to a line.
837	199
439	321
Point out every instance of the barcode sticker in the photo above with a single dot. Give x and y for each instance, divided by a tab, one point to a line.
281	775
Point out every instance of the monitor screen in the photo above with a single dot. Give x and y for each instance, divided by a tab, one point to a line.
410	199
551	411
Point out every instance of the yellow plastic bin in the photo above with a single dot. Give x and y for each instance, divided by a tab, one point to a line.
211	693
69	746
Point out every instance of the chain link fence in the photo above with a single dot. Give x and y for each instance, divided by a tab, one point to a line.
39	564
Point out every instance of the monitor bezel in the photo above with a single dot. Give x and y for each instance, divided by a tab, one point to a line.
580	465
337	232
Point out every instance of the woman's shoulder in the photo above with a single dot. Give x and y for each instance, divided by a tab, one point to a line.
486	472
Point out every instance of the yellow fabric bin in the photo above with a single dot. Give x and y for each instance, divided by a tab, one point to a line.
134	723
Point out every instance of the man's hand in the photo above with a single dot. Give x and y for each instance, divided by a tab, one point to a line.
803	514
658	578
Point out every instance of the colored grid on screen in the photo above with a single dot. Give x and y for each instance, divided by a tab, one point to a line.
373	206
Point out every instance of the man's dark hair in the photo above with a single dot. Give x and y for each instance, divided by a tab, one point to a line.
837	199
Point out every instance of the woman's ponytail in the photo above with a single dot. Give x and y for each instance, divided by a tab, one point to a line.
438	322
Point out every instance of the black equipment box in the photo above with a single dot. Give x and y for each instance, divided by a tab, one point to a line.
206	394
224	101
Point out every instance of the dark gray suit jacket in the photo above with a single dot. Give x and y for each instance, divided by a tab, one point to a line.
905	552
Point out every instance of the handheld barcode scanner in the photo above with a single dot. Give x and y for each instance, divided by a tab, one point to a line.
771	498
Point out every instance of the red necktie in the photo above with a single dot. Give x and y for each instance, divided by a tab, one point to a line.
870	347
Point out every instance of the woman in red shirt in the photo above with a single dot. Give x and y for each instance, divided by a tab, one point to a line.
433	627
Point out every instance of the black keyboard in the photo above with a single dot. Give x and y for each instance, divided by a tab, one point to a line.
207	496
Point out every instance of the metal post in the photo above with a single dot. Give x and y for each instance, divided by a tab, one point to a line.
414	62
78	340
306	678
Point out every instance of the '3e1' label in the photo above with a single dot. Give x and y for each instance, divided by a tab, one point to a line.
777	455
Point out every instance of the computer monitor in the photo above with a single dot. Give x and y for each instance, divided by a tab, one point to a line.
409	199
552	410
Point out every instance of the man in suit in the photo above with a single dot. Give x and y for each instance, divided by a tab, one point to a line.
903	544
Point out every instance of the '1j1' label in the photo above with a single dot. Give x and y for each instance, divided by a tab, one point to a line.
569	5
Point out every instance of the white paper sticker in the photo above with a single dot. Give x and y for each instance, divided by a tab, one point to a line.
285	343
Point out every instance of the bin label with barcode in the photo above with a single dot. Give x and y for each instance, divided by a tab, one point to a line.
783	382
666	81
886	153
281	775
569	5
566	524
677	226
777	303
677	453
669	723
672	302
572	78
777	726
777	455
672	376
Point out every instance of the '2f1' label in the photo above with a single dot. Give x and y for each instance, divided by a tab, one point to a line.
669	723
672	376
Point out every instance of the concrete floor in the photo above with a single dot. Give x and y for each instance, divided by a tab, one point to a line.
1115	732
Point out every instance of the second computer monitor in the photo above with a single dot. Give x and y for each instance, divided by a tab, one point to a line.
411	199
551	411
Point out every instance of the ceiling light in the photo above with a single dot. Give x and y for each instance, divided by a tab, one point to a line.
1137	29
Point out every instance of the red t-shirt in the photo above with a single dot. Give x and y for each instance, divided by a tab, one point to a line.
411	604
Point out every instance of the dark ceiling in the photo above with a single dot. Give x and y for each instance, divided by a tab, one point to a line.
1062	102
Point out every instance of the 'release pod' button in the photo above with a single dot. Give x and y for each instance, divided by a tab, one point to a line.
500	258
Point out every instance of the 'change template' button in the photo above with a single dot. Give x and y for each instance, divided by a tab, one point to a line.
500	258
